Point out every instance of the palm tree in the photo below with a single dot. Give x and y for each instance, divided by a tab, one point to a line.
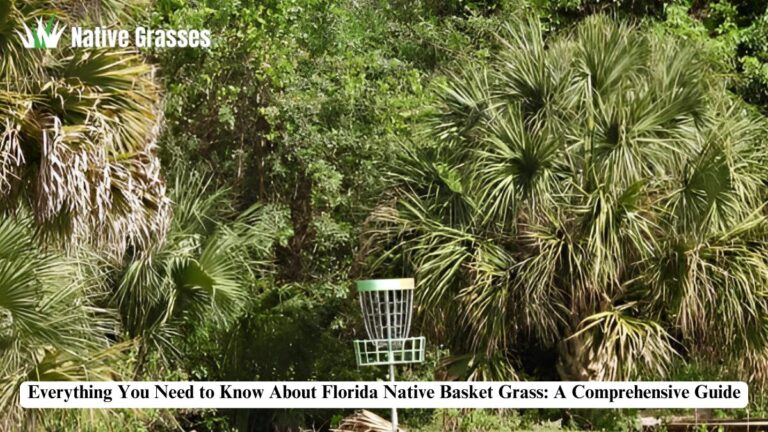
594	194
77	137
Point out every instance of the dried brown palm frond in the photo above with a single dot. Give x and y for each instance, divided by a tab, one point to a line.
102	11
78	133
364	421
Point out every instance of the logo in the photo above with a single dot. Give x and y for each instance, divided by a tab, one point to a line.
45	36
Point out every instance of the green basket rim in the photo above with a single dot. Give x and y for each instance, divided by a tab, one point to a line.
385	284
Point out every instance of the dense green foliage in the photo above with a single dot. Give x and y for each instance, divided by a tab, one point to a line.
293	112
316	139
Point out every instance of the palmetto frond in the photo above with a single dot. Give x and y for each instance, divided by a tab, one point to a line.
592	193
200	272
465	104
619	346
48	326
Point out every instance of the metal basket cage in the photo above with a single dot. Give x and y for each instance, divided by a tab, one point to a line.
387	306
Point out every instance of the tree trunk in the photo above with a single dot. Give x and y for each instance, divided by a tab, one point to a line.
291	257
572	362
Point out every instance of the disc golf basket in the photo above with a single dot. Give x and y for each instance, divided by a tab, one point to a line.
387	306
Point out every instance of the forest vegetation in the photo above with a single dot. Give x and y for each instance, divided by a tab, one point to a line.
578	187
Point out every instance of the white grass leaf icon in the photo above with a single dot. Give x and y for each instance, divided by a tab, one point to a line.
27	40
46	37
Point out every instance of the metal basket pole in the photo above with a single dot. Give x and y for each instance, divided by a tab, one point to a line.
394	299
391	355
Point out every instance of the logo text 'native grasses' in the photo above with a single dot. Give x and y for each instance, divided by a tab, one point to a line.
101	37
46	35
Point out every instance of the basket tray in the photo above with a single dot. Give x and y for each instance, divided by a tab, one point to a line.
393	351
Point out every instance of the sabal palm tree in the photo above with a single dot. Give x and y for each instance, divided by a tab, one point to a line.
596	194
77	137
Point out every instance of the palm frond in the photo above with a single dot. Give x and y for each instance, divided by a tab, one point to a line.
622	346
